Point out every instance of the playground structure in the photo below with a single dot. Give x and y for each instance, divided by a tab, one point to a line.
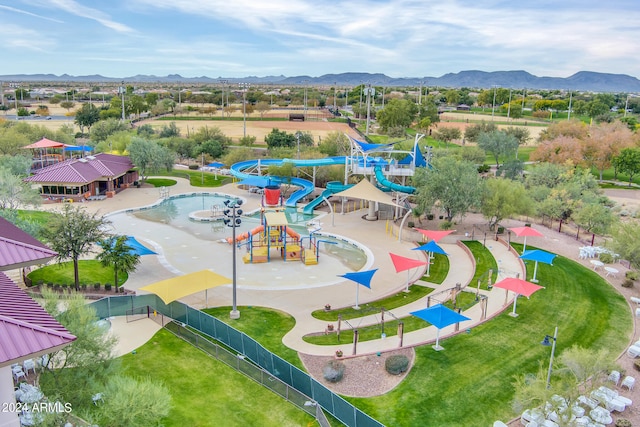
275	233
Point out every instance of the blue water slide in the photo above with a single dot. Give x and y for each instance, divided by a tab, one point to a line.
306	186
384	182
332	188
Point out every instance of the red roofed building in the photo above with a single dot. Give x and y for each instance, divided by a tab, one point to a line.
26	329
100	175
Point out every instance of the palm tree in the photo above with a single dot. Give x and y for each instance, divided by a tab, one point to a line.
116	253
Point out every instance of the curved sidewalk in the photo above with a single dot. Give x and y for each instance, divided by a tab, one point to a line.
461	271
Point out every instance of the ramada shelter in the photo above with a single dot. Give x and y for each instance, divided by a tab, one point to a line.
78	179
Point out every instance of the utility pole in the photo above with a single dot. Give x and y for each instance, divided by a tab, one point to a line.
122	90
493	106
244	87
370	91
335	96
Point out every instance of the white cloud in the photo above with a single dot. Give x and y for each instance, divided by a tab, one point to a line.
75	8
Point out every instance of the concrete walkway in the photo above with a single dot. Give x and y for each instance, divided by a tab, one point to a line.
300	303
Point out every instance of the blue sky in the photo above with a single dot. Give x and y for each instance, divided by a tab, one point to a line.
238	38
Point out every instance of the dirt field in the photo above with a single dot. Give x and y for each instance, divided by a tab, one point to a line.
259	129
450	120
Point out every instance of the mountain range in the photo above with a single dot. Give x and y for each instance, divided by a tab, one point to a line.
587	81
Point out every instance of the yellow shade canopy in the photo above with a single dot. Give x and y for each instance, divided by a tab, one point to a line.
367	191
181	286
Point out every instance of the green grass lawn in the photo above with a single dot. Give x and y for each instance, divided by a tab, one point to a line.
438	272
90	272
161	182
266	325
484	262
39	217
455	384
201	179
470	382
206	392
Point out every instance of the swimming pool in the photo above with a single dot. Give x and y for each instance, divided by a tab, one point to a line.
186	246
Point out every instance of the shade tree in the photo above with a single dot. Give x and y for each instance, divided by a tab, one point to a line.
452	185
628	162
73	233
118	254
502	198
499	144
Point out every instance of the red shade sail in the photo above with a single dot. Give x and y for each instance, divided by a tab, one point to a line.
403	263
526	231
45	143
519	286
435	235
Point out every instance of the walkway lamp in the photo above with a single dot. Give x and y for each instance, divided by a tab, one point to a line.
547	342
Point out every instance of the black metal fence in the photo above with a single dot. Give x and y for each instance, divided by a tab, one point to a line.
250	357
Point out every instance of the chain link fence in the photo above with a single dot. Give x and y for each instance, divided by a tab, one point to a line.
240	352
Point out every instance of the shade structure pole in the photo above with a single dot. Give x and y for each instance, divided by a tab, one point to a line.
524	246
515	301
357	307
206	298
437	346
535	270
428	262
407	288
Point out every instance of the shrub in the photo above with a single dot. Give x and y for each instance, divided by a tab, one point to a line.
84	286
628	283
623	422
606	258
446	225
484	168
631	275
96	286
107	286
636	365
333	371
500	230
411	224
396	364
430	216
194	167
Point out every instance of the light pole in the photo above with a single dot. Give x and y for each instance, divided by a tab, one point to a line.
224	87
232	214
626	106
569	111
298	139
370	92
546	342
122	90
305	99
335	95
493	106
244	87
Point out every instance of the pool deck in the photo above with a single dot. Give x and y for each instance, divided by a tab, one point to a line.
301	302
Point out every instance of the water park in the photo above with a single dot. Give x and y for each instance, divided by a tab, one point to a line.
275	231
